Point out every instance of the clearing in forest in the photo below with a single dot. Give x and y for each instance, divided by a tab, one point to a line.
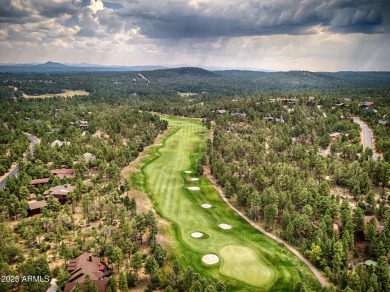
248	260
66	93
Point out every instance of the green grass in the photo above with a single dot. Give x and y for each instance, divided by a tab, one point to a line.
249	261
241	263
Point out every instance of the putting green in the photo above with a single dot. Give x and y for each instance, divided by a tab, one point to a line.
241	263
249	260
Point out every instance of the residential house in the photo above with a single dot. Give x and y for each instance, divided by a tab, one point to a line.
62	172
84	265
238	114
40	181
285	101
222	112
334	135
366	105
310	103
379	227
60	192
34	207
268	119
59	143
84	125
290	101
89	157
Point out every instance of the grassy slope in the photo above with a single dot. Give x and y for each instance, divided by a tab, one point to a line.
266	266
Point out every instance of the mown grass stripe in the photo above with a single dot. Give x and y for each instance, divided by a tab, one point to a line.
164	179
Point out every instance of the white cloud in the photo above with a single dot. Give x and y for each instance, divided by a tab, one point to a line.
96	5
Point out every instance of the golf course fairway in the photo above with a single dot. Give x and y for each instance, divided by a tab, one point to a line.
248	260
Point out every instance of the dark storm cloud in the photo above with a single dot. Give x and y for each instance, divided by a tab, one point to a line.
10	13
27	12
53	9
166	19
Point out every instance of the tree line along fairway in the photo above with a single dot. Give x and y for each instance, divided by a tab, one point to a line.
248	260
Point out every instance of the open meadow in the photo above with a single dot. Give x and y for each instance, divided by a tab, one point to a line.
66	93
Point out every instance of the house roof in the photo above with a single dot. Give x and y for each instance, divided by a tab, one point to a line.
68	172
370	263
221	111
33	205
84	265
59	143
335	134
89	156
63	170
102	285
60	190
366	104
40	181
379	227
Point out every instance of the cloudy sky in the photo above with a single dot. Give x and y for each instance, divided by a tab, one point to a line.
316	35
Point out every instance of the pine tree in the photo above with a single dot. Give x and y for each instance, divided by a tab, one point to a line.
383	273
123	282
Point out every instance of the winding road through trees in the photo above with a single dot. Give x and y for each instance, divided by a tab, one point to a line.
33	140
367	139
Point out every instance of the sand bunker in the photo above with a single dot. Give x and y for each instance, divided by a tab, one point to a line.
194	179
225	226
210	259
187	171
197	234
206	206
194	188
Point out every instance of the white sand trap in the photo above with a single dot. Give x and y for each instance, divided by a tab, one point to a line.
194	179
210	259
194	188
206	206
187	171
197	234
225	226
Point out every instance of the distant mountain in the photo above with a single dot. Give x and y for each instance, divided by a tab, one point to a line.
54	67
51	64
194	79
182	73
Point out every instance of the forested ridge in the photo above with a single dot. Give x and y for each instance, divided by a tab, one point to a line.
168	82
320	192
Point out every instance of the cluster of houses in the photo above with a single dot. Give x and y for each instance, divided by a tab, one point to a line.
60	192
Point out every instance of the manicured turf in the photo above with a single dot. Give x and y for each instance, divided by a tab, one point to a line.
249	261
240	262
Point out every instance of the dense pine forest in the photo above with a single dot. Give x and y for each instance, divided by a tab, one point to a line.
283	146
